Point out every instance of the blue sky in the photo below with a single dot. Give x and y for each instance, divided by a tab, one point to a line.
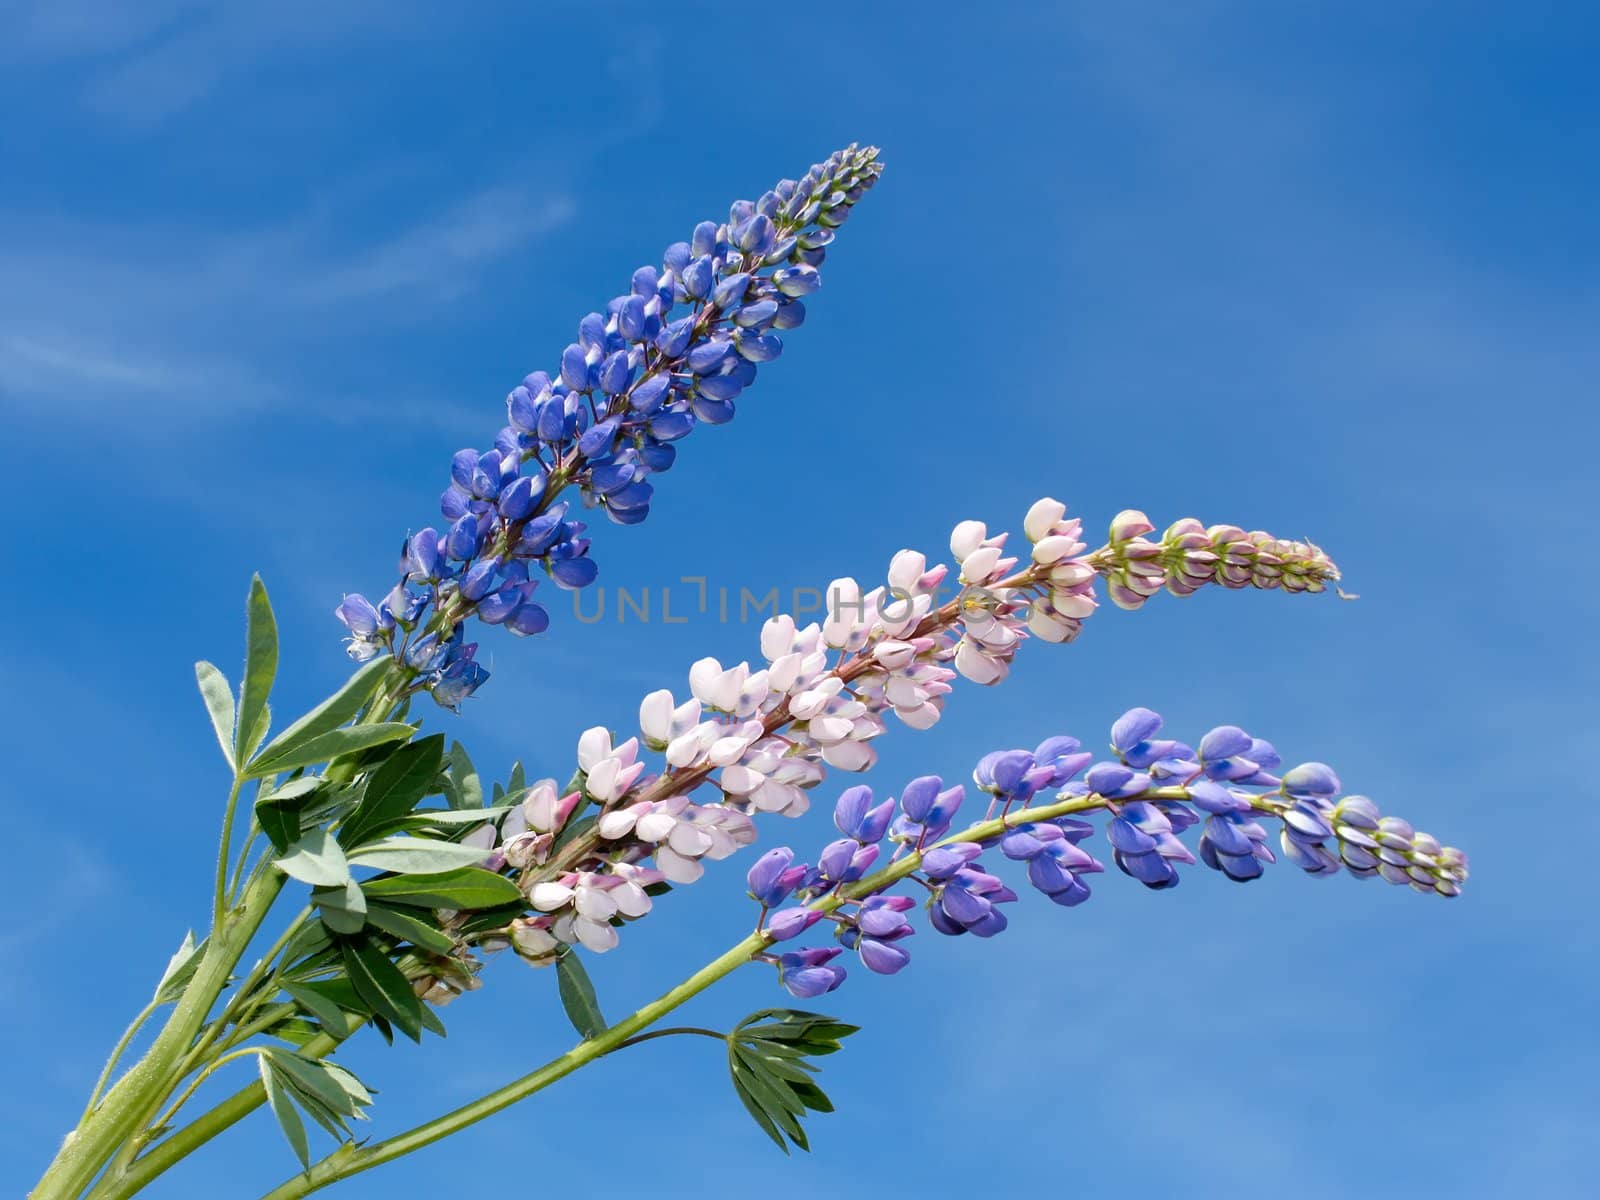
1323	269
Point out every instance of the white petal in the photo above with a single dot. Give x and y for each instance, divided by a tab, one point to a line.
967	537
655	717
548	896
1042	517
676	867
595	935
593	746
595	904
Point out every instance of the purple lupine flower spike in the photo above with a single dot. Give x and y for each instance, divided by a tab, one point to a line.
1148	813
676	350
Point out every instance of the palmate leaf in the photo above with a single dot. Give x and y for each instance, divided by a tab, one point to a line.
330	1095
767	1059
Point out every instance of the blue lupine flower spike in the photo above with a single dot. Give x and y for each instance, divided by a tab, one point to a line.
1153	790
675	351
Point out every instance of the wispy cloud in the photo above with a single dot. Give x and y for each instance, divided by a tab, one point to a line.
126	310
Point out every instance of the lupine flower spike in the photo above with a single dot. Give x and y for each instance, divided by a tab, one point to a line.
1150	791
673	352
766	736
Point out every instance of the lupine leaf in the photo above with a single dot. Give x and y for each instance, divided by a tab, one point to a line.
407	927
326	747
380	983
518	779
767	1054
446	818
466	888
314	1078
753	1107
344	908
315	859
218	697
320	1006
394	789
332	712
416	855
311	939
468	789
180	969
260	668
279	811
294	1129
578	997
431	1021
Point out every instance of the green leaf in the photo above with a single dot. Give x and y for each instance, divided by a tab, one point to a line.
320	1006
218	696
767	1054
294	1129
180	969
280	811
380	983
260	668
468	789
332	712
338	991
315	859
344	908
408	928
315	1079
518	780
416	855
446	818
395	788
752	1106
577	996
326	747
310	940
431	1021
466	888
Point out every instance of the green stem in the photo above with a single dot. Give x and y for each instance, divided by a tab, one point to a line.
129	1104
184	1142
673	1031
220	904
116	1054
348	1160
200	1077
